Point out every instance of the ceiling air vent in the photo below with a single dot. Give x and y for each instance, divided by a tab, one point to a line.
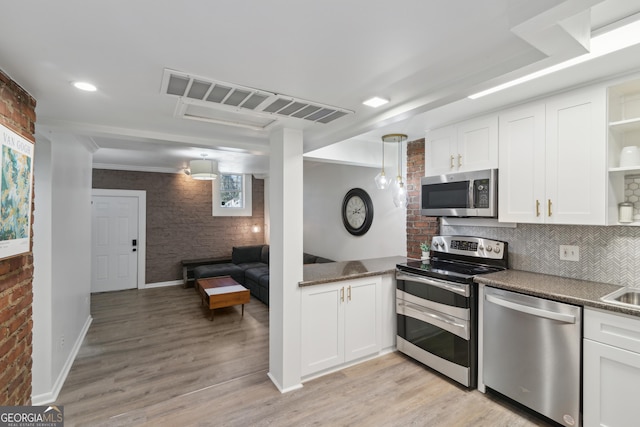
198	93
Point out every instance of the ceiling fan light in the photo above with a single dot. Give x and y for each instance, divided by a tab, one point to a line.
203	169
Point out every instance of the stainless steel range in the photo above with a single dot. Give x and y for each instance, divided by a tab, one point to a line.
437	304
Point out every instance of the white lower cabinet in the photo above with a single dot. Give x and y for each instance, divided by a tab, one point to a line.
611	369
341	322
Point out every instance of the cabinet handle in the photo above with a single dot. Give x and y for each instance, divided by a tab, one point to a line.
537	207
459	160
451	166
342	294
349	293
549	206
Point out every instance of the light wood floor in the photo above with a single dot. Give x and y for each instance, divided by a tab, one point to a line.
152	357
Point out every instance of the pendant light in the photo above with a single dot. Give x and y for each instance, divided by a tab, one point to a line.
381	179
204	169
399	189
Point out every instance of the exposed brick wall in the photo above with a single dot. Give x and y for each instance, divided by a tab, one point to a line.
179	221
17	112
419	228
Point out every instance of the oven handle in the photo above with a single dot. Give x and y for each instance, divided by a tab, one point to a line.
459	329
458	289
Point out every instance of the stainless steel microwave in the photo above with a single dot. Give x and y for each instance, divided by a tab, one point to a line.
461	194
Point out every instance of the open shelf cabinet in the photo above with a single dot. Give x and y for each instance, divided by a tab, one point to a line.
624	130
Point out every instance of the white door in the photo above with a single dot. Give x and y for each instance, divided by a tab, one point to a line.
114	243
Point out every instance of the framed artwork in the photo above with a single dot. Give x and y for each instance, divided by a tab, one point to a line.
16	183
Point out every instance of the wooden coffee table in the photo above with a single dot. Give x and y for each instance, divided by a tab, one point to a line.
222	291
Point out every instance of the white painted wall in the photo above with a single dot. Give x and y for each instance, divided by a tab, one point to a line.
42	309
62	288
325	185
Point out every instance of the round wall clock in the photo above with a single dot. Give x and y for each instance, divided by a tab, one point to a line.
357	211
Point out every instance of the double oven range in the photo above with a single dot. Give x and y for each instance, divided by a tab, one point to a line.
437	304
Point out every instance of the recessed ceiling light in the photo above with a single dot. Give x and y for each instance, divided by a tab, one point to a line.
85	86
375	102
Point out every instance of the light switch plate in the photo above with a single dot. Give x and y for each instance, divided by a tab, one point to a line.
569	253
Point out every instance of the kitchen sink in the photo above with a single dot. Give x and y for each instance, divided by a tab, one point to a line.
624	296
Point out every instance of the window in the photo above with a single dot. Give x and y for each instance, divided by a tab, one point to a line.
232	195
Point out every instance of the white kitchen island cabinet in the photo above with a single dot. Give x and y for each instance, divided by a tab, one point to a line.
341	322
611	369
467	146
552	160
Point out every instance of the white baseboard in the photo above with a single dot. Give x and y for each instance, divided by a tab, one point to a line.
50	397
162	284
279	387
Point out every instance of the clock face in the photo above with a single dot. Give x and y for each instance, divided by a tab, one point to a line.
357	211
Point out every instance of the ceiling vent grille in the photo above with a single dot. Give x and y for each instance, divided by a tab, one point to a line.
234	98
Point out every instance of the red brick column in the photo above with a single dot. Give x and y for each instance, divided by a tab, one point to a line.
17	112
419	228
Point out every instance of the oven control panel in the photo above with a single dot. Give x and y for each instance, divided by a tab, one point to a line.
471	246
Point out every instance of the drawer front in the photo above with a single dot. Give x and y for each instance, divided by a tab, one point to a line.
618	330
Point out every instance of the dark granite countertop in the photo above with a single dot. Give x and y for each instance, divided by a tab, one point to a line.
572	291
315	274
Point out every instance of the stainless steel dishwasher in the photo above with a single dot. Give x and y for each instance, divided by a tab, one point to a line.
532	352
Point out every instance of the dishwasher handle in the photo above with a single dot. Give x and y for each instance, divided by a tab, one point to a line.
538	312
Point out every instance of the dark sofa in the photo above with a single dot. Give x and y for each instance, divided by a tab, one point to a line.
249	266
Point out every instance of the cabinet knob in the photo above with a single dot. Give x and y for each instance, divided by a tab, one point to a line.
342	294
451	165
459	160
537	207
549	207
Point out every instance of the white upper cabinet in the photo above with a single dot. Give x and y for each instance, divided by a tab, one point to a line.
467	146
521	179
576	158
552	160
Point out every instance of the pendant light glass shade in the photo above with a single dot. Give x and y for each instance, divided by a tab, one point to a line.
381	179
400	199
398	188
203	169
